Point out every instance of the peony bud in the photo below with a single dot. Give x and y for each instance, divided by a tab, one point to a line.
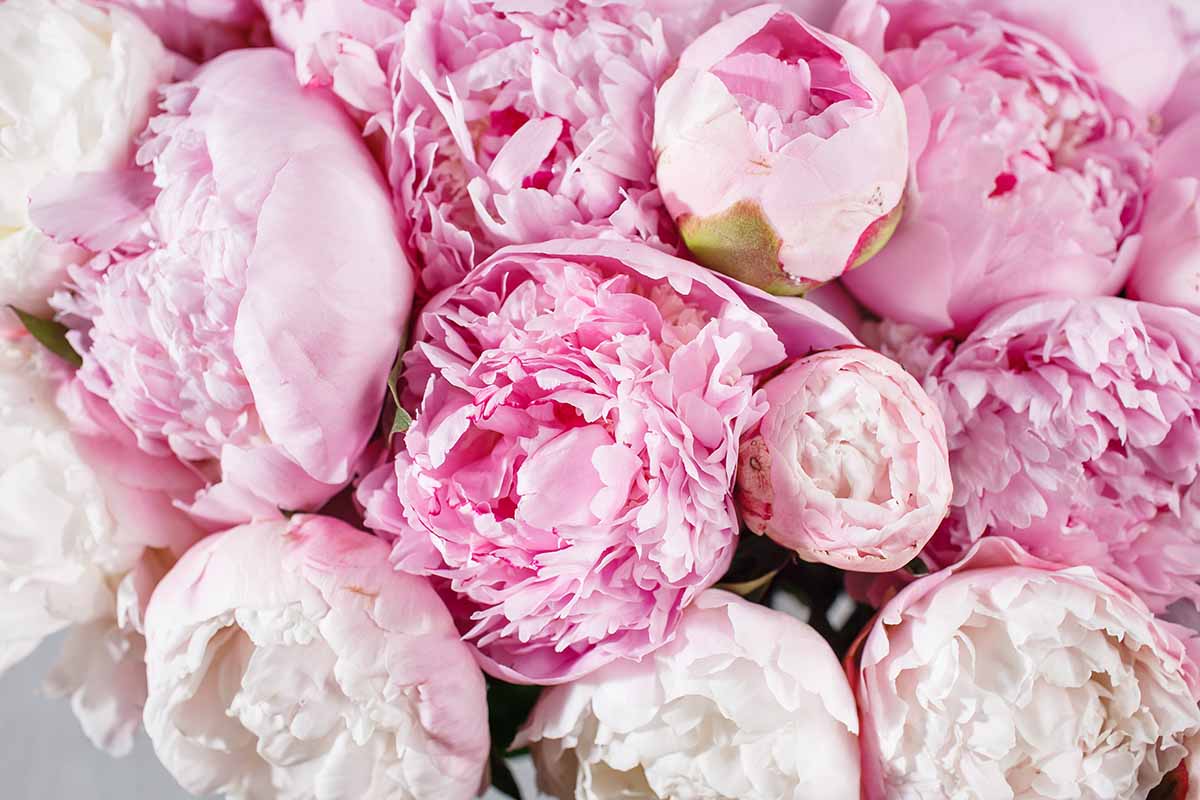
849	466
782	151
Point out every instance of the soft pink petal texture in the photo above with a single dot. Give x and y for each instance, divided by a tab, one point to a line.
788	118
1185	102
1008	676
849	467
247	318
499	122
833	299
745	703
288	659
567	478
1029	172
1167	270
200	29
1074	428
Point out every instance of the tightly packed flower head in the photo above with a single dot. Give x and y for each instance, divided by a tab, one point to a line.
745	704
1168	264
289	660
849	466
77	84
506	123
1007	676
1074	428
782	151
251	291
1028	173
567	478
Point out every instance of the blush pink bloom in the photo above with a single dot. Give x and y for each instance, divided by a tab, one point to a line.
746	703
849	466
782	151
566	481
502	122
251	289
1029	171
1008	676
289	660
1074	428
1167	270
200	29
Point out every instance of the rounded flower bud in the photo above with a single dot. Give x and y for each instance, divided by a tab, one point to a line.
1029	170
250	291
782	151
1168	264
289	660
745	704
79	84
849	466
1007	676
567	477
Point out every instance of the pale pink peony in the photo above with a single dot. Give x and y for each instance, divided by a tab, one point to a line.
746	703
200	29
1029	172
849	466
781	151
567	479
1167	270
289	660
251	290
1008	676
1074	428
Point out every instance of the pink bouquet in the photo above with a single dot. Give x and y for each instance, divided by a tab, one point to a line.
600	399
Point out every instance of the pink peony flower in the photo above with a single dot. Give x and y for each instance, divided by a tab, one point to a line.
1074	428
781	151
1167	270
849	467
1028	170
567	479
251	292
745	704
502	122
1007	676
200	29
289	660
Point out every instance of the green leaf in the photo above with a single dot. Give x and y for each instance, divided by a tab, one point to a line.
755	564
753	590
51	335
502	777
402	422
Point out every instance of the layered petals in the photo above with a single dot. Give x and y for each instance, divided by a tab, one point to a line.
849	466
567	478
250	292
745	704
1007	676
288	660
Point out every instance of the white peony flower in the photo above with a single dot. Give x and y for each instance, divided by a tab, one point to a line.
77	84
287	660
1011	678
745	704
79	504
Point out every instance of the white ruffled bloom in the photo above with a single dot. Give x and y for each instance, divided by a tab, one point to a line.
1009	677
287	660
77	84
79	506
745	704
